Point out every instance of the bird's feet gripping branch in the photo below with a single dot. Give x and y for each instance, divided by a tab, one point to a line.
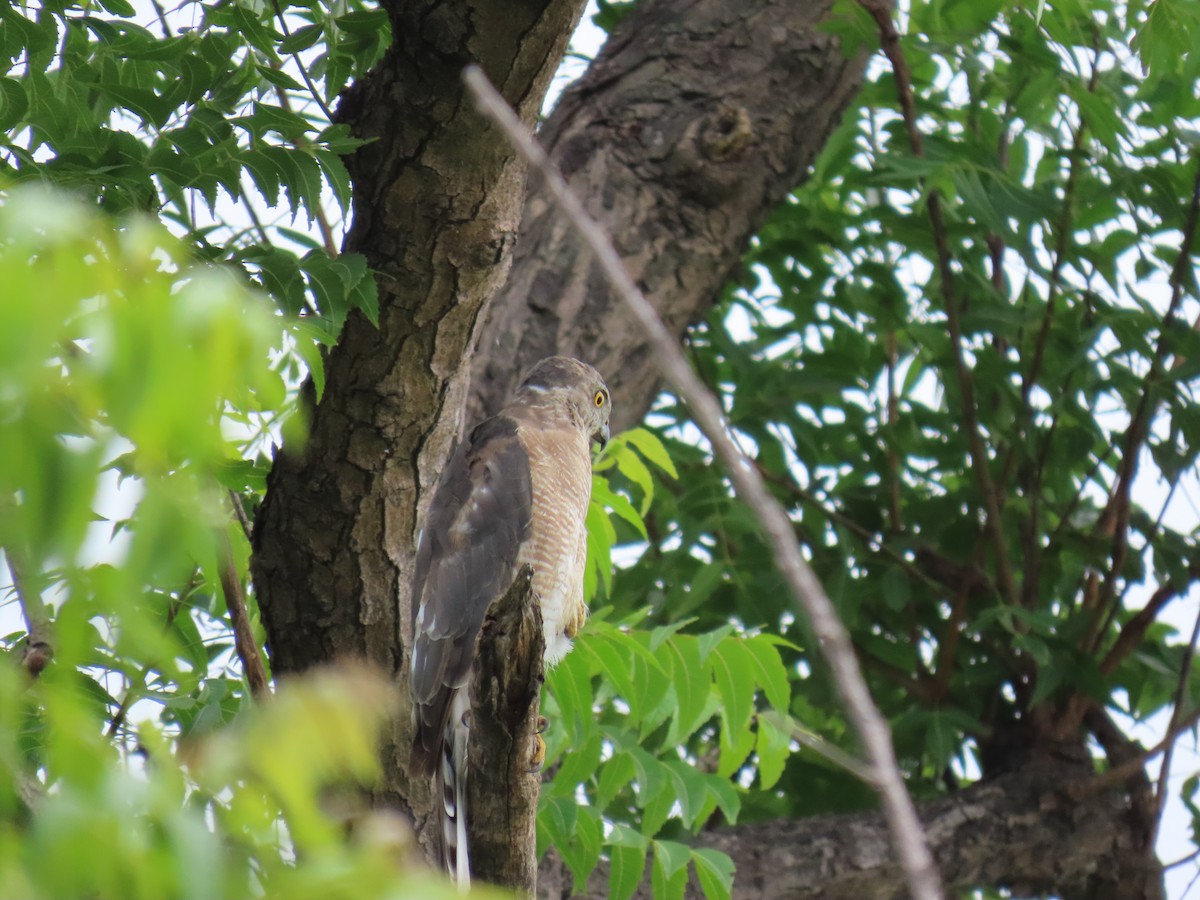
538	758
515	493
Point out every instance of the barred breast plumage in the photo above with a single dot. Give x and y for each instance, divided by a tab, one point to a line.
560	471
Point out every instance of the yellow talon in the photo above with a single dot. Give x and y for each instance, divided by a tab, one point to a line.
539	753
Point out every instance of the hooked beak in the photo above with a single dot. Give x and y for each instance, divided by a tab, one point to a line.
601	437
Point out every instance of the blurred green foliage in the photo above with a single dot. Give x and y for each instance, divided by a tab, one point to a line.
123	354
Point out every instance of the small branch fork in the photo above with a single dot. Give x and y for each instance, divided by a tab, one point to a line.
809	596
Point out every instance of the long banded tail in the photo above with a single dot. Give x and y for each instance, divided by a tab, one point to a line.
452	783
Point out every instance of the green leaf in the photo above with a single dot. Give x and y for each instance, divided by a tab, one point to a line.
773	747
600	540
626	866
770	673
733	669
669	872
615	775
648	444
14	103
119	8
714	871
896	590
629	465
627	852
620	506
302	38
691	683
605	658
571	686
735	746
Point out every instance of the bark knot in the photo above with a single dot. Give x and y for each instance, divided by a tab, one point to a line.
707	161
724	134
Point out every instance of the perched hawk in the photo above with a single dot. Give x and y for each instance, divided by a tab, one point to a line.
515	492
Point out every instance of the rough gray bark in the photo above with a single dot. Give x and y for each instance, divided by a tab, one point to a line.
692	124
1024	831
502	782
437	200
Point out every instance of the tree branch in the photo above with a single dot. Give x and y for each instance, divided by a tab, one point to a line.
1020	830
38	649
683	168
1135	629
1126	768
1181	693
243	633
809	596
502	782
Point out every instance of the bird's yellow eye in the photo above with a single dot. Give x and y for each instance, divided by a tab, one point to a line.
599	398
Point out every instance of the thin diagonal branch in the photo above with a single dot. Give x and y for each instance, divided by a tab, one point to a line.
871	540
890	44
243	635
308	82
952	633
892	417
807	592
239	512
1135	629
1132	766
1181	692
38	646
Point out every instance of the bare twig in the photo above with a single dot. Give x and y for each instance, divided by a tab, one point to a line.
892	418
871	540
38	647
308	82
1135	629
907	834
243	635
890	44
239	513
1132	766
1183	861
326	229
1181	693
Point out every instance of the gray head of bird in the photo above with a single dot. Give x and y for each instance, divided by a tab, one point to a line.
568	385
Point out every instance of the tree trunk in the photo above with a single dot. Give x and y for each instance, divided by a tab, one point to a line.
694	122
437	201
